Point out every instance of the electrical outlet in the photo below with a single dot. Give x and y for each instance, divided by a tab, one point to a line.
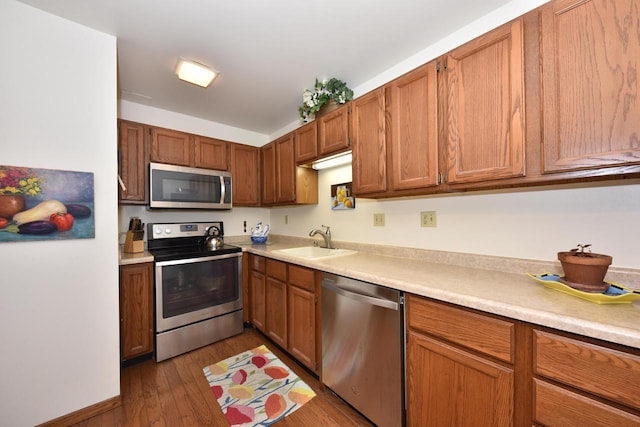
378	220
428	219
286	219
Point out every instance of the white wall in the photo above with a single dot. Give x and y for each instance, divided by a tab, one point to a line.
529	224
233	220
58	299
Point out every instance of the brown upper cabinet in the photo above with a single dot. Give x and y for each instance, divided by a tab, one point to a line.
411	103
132	162
369	144
326	135
484	121
306	142
285	169
245	168
268	168
210	153
284	183
590	56
395	136
180	148
395	129
139	143
333	131
170	146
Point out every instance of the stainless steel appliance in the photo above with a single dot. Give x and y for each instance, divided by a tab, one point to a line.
177	187
363	347
198	289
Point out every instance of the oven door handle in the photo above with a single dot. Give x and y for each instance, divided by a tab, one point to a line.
197	259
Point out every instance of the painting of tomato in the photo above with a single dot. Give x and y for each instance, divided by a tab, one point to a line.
62	220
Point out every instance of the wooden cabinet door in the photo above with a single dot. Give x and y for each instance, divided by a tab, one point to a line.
170	146
285	169
302	315
302	325
133	159
210	153
369	145
306	142
590	61
485	107
448	386
268	166
245	168
136	310
257	290
333	131
412	134
276	303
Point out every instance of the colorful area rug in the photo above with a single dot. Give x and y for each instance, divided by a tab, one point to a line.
255	388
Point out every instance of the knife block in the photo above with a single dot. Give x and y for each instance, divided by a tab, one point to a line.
133	246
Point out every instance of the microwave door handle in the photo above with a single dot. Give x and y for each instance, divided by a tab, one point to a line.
223	190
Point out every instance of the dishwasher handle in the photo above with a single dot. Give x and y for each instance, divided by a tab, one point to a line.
380	302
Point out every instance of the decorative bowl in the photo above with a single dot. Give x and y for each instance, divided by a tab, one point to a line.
259	239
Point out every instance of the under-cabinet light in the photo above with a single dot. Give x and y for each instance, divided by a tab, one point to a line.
332	161
193	72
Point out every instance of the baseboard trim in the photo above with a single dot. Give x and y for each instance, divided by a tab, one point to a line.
84	413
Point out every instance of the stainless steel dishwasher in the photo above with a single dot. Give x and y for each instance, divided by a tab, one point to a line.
363	347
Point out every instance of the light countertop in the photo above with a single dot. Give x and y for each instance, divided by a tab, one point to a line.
510	294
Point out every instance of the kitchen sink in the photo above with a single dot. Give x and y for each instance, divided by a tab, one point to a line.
314	252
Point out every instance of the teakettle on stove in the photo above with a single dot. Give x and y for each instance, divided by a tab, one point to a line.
213	239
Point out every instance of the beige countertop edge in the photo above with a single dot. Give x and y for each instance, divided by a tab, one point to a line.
133	258
513	295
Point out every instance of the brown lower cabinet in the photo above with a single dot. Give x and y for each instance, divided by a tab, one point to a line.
468	368
459	367
136	310
283	304
276	302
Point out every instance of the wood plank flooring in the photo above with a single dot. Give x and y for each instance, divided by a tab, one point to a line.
175	392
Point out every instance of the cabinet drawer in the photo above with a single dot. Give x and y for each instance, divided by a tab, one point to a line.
302	277
257	263
555	406
490	336
599	370
277	270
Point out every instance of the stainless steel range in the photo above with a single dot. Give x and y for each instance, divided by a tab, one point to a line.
198	286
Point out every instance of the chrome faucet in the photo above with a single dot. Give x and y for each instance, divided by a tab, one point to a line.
326	235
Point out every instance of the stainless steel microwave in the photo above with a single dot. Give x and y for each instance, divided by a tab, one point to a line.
180	187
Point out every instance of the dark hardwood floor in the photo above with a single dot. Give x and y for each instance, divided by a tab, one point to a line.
175	392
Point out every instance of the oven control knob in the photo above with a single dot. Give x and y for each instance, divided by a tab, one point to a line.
158	231
168	231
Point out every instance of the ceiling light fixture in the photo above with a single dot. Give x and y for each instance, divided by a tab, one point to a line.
332	161
195	73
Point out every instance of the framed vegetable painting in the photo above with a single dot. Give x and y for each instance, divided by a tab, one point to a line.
341	197
45	204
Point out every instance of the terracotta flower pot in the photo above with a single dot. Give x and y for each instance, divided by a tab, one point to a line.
585	271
